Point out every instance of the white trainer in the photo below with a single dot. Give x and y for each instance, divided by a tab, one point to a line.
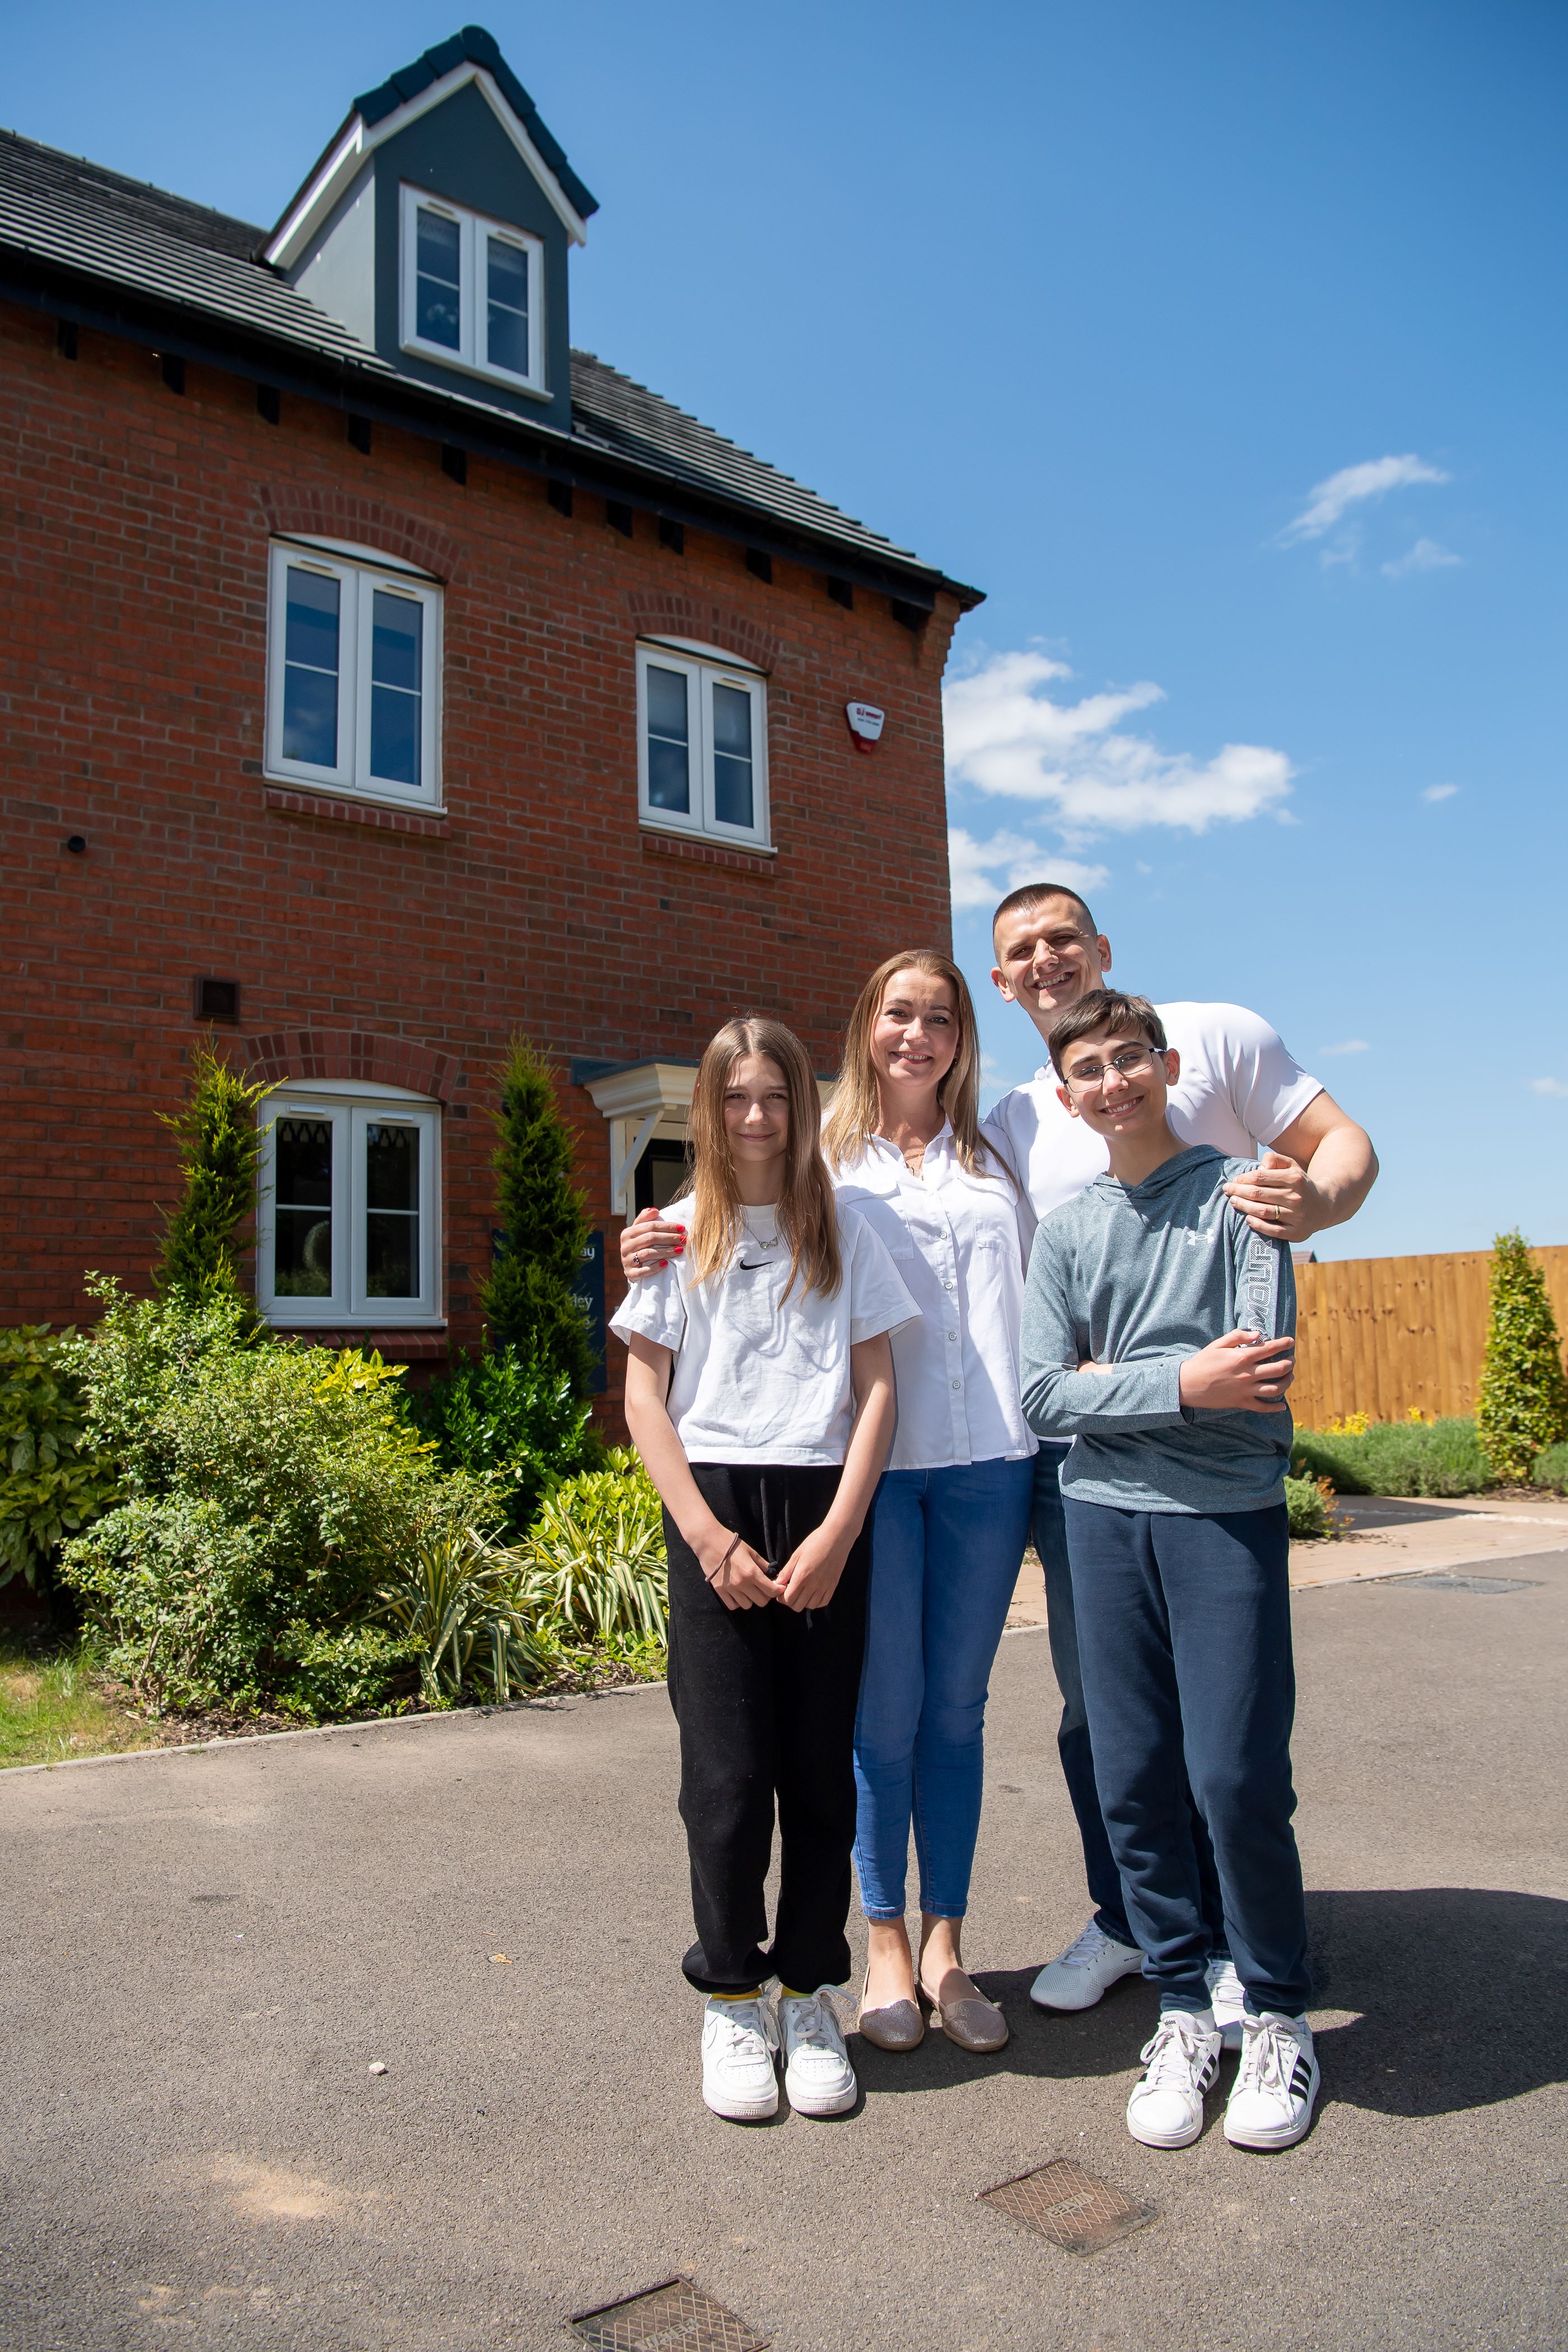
739	2077
1228	2001
1181	2062
1275	2086
818	2074
1086	1972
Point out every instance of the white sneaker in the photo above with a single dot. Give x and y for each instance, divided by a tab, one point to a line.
1275	2086
739	2078
1081	1975
1181	2063
818	2074
1228	2001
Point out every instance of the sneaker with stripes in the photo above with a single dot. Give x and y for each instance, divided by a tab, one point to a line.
1275	2086
1181	2062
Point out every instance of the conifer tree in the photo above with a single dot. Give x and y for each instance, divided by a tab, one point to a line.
1523	1403
529	1301
220	1145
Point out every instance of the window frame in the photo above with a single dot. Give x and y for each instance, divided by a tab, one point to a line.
706	671
360	578
352	1110
472	354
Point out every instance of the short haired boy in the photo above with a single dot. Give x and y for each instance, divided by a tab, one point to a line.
1158	1337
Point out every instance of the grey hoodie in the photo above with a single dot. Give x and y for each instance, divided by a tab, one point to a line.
1138	1276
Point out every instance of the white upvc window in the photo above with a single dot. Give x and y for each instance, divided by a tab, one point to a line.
473	292
349	1219
353	674
702	744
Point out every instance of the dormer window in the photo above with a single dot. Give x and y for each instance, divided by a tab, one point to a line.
473	292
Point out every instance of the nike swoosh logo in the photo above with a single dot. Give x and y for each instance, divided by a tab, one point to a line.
760	1266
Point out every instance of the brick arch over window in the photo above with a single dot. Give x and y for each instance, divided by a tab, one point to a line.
298	513
354	1056
663	615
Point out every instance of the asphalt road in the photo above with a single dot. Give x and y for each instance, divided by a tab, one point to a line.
203	1953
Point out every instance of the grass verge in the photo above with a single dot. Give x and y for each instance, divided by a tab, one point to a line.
58	1705
55	1706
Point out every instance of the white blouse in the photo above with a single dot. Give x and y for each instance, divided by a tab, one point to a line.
954	1240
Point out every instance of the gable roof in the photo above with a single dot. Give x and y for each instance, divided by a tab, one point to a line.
474	46
89	244
471	55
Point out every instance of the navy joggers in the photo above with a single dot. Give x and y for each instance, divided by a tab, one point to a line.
1184	1638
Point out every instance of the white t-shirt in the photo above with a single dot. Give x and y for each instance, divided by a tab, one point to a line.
1238	1089
953	1238
755	1382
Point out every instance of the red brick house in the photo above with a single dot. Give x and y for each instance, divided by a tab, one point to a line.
382	677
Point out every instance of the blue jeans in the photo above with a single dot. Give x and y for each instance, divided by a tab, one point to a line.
946	1547
1072	1736
1184	1627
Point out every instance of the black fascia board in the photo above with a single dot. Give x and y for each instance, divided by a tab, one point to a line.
398	403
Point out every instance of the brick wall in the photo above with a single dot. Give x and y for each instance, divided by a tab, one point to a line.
137	522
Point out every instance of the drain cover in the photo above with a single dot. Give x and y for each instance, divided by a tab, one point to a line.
674	2316
1440	1582
1072	2208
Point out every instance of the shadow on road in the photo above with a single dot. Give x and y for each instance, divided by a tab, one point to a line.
1463	1992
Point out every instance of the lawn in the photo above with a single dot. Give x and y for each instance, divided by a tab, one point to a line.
54	1706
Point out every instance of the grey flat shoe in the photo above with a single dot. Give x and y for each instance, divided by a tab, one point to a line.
899	2026
973	2023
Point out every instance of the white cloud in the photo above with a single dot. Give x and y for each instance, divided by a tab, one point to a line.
1426	555
1006	737
1329	500
1558	1086
1350	1045
975	866
1439	792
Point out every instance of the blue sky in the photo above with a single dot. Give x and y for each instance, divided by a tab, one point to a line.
1222	345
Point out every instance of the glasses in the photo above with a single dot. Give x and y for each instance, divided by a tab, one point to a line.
1129	1062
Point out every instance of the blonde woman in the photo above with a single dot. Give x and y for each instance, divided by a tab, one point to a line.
760	1395
952	1517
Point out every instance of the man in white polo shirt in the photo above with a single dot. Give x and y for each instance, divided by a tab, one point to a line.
1239	1090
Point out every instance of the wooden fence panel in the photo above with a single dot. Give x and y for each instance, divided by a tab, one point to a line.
1385	1335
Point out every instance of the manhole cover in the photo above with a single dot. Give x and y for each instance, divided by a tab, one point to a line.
1440	1582
674	2316
1072	2208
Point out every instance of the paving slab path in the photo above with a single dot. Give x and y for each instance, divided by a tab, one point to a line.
204	1954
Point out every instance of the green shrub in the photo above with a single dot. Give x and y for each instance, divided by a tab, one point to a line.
220	1149
1551	1469
529	1301
513	1422
270	1491
52	1481
1523	1408
456	1602
1308	1508
593	1561
1396	1457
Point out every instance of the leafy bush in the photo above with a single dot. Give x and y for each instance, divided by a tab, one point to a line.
1396	1457
270	1491
594	1560
1309	1502
52	1481
1522	1407
511	1421
1551	1469
456	1602
220	1148
529	1300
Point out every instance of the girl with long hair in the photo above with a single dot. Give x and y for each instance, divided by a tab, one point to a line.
760	1395
904	1146
951	1518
